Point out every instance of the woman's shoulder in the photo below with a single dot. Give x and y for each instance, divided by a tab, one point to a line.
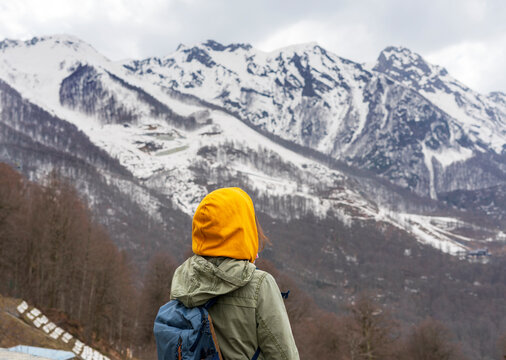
260	282
261	278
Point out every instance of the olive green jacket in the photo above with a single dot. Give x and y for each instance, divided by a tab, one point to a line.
249	312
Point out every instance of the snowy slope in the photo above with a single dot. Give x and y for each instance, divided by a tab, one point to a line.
146	143
182	148
38	66
266	88
482	117
304	94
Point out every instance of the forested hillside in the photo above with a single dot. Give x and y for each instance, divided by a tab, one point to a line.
56	256
53	254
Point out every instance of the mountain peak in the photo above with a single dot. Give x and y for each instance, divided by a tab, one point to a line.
395	58
63	38
203	52
62	41
408	67
400	52
216	46
498	97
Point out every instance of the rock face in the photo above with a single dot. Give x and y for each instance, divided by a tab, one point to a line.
405	119
84	91
309	133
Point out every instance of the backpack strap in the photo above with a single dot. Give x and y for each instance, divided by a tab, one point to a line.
256	355
206	306
205	318
210	303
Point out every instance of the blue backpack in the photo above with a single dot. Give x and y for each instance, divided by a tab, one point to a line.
187	333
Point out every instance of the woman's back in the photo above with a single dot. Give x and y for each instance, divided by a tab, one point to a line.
245	297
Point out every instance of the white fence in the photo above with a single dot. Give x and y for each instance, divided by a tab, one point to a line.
40	321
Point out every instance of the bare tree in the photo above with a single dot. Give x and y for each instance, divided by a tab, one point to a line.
155	292
368	332
430	340
501	345
54	255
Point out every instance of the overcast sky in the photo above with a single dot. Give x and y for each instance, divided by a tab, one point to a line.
468	37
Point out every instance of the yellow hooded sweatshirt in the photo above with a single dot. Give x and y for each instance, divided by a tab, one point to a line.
224	225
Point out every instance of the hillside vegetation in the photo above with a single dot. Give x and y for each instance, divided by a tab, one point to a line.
55	256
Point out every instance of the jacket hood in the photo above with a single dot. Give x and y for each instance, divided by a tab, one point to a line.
199	279
224	224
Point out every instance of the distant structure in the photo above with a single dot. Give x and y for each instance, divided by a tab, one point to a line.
39	353
481	255
6	354
479	252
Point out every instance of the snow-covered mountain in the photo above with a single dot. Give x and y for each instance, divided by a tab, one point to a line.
404	119
364	177
291	126
482	117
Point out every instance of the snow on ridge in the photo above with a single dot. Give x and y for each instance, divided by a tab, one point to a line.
474	123
37	67
482	117
56	43
212	45
446	156
404	58
435	231
158	155
234	73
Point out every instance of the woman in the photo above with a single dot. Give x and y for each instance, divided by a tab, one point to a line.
249	312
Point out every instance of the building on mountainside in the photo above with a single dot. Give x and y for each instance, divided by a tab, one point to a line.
479	252
37	353
478	255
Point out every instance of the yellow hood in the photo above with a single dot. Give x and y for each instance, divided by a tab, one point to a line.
224	225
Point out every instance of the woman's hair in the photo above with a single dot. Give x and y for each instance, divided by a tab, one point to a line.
262	239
